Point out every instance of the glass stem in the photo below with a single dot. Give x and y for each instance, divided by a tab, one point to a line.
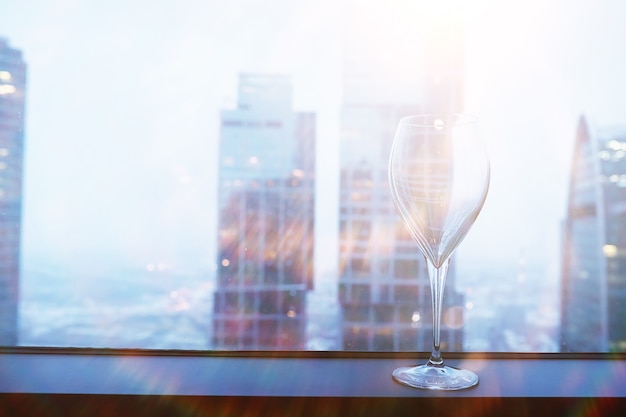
437	283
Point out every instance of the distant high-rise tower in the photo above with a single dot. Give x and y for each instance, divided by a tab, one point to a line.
396	62
12	107
266	219
593	299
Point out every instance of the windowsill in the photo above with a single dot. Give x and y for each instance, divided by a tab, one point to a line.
328	382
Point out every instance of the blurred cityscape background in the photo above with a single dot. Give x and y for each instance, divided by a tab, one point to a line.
208	176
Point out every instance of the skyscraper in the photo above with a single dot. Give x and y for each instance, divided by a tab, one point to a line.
266	218
396	62
593	303
12	108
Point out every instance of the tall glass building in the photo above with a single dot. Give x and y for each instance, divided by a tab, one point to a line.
266	219
393	66
12	108
593	307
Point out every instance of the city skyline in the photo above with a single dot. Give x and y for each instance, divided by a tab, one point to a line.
141	101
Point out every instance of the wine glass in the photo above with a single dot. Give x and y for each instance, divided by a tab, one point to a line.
439	177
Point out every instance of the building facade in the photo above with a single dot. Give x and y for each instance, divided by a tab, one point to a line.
266	219
396	62
593	277
12	109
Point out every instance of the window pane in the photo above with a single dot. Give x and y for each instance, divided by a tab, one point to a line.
213	175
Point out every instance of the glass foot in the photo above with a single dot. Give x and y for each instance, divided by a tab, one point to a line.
432	377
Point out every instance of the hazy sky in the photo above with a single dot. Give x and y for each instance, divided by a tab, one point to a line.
124	99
